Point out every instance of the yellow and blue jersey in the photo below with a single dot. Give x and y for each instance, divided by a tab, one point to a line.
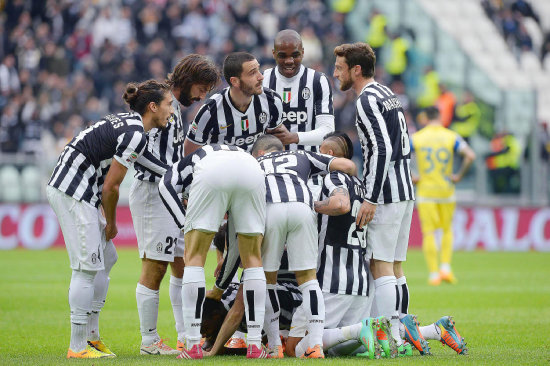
435	147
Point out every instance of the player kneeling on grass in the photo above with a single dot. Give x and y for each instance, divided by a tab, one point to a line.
219	179
87	175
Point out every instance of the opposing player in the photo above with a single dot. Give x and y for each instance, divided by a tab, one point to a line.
308	113
291	221
240	113
389	199
87	176
219	179
435	147
159	239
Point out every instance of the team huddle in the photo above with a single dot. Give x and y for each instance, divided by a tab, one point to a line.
262	174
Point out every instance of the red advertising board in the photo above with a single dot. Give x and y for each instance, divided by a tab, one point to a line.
35	226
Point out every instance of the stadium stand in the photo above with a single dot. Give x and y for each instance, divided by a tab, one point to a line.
64	64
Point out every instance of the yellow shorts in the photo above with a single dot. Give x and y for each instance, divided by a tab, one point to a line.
435	215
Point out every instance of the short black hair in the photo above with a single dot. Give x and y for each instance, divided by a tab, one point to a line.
213	315
267	142
432	113
343	141
233	64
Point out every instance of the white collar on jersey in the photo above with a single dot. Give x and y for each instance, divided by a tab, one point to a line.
297	76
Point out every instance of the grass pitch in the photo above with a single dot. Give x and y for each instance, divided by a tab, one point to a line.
501	306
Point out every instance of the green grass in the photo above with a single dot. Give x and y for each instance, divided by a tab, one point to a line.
501	306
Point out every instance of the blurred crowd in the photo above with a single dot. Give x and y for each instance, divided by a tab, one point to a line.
65	63
521	26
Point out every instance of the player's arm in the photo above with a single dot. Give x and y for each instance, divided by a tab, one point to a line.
151	163
230	324
344	165
172	185
109	196
468	156
196	136
130	146
336	204
324	113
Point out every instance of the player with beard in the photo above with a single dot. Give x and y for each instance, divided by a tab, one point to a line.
240	113
389	196
159	239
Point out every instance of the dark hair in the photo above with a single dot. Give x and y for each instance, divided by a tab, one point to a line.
343	141
358	53
432	113
233	64
219	238
265	143
193	69
213	315
138	96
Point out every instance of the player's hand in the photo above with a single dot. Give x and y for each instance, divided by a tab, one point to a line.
214	294
285	135
415	178
365	214
455	178
110	231
218	268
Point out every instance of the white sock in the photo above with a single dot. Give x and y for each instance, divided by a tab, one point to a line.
445	267
148	310
175	300
101	285
81	293
434	275
351	331
386	299
301	347
254	292
403	289
431	331
271	319
314	305
193	291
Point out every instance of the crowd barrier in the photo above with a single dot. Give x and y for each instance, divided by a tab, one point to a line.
35	226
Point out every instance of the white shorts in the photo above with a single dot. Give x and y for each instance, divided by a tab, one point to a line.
293	224
227	181
157	233
340	311
83	227
388	232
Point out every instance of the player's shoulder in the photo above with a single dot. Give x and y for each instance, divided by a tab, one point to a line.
125	122
271	94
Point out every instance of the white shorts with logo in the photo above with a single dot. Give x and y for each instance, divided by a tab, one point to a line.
388	232
157	233
293	224
227	181
83	227
340	311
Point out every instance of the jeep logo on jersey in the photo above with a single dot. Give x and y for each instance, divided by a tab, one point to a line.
306	93
244	123
262	118
295	116
239	141
287	95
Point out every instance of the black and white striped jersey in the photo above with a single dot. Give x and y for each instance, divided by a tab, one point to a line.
178	179
286	174
85	161
384	139
164	145
342	267
288	293
306	97
219	122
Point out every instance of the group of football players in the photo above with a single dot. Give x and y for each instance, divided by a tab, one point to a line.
321	248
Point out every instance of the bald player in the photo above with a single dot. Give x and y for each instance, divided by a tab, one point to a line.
308	113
